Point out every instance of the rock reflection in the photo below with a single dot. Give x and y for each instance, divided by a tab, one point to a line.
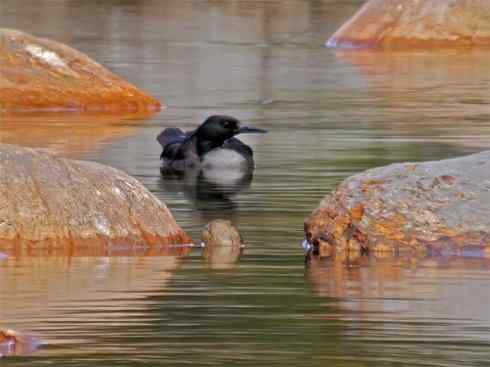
222	257
401	288
445	78
43	289
69	134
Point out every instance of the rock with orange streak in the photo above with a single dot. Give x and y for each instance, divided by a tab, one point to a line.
40	74
416	23
49	201
409	208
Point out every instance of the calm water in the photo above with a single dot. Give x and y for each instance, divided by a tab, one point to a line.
329	115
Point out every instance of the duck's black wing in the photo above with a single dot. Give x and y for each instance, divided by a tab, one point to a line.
171	140
238	146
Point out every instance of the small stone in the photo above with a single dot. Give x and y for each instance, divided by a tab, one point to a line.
221	233
222	244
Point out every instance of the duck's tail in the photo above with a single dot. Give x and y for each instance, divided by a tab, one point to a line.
170	136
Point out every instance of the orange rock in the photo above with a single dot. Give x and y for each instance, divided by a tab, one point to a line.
416	215
39	74
325	249
357	212
223	244
416	23
7	336
48	201
382	250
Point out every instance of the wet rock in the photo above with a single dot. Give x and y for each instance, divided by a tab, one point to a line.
416	23
221	233
222	243
8	342
13	343
46	200
7	336
416	207
40	74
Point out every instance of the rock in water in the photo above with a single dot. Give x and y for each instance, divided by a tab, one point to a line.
416	23
221	233
40	74
410	206
46	200
13	343
222	244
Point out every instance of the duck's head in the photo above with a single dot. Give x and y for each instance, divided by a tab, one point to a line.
219	128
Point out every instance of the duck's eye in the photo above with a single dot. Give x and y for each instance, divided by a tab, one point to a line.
226	124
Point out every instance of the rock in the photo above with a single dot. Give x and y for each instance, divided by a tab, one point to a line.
40	74
8	342
221	233
416	23
13	343
7	336
222	243
46	200
417	207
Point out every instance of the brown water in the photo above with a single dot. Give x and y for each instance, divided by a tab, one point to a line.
329	115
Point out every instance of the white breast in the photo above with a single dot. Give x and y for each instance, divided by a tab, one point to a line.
223	158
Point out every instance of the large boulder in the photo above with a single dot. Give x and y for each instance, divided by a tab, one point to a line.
419	207
409	23
40	74
46	200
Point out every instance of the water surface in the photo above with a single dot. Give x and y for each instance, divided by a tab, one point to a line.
329	115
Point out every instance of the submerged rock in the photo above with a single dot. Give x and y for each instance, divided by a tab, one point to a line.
46	200
40	74
8	342
415	23
222	243
13	343
221	233
431	206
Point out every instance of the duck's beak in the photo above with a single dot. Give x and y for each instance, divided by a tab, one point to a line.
250	130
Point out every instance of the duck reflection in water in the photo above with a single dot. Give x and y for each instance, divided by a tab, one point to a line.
208	164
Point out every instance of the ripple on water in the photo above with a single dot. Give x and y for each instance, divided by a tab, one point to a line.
329	115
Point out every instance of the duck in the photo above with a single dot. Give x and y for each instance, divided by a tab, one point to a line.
212	145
